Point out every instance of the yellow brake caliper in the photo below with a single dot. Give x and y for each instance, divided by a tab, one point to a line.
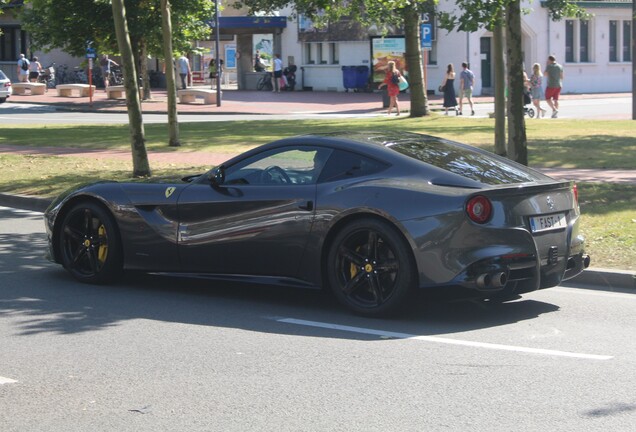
102	252
354	268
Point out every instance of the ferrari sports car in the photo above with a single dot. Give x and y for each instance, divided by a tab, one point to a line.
371	216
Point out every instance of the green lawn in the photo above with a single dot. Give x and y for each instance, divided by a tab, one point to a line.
609	210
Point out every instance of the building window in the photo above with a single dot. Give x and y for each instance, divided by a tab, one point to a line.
578	46
584	45
320	55
13	42
308	54
323	53
620	39
627	41
333	53
613	41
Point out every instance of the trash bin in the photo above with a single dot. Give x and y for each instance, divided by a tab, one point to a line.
349	77
386	101
362	77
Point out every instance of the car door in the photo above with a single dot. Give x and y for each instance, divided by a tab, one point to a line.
256	221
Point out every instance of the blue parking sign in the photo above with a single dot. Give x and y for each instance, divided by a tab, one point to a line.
426	32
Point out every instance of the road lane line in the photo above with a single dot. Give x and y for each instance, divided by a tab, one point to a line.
4	380
437	339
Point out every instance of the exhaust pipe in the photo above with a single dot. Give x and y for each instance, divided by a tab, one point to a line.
498	280
586	261
494	280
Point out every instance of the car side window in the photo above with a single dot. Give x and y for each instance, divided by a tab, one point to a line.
286	166
343	164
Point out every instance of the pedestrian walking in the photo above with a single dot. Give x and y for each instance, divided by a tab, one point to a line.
23	68
34	70
278	72
536	88
184	70
466	83
391	81
448	87
107	66
554	74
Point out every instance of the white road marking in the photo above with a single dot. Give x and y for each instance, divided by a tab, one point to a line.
625	296
4	380
396	335
20	211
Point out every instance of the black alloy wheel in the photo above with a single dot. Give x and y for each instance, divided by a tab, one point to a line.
89	244
370	268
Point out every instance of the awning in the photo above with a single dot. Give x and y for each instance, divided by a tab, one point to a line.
249	24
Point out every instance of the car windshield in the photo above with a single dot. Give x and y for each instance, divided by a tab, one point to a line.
463	160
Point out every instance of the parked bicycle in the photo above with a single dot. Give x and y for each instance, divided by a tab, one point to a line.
265	83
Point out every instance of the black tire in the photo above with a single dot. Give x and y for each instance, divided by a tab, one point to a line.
89	244
3	100
531	112
370	268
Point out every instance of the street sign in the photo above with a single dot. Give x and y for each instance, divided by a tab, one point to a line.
426	32
90	53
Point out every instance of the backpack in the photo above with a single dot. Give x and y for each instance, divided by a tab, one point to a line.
395	78
25	64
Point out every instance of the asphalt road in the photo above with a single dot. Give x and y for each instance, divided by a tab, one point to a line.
161	354
607	108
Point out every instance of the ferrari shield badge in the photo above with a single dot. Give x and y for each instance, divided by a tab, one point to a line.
169	191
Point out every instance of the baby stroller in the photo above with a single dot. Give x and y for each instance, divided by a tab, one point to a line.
290	77
527	100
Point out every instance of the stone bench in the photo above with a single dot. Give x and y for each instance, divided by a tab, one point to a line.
20	88
190	95
118	92
66	90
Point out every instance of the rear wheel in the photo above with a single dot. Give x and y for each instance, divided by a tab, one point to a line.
89	244
370	268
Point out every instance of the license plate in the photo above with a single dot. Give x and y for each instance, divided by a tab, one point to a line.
547	222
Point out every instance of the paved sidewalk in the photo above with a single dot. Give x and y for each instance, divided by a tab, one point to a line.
258	102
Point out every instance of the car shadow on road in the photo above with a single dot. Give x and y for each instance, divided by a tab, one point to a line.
48	300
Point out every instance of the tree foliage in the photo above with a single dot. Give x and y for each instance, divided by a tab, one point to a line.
492	14
70	24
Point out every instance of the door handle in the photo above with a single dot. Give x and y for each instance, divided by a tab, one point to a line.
309	205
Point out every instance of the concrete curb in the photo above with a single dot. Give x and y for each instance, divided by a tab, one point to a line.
24	202
608	279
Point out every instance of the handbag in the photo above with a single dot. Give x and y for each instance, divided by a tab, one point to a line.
441	88
403	84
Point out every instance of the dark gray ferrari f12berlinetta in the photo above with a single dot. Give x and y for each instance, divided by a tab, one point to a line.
373	216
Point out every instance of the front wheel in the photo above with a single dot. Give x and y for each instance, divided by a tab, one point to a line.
370	268
89	244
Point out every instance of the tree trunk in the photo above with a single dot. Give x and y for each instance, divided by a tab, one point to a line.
171	86
143	69
141	167
419	100
517	142
500	87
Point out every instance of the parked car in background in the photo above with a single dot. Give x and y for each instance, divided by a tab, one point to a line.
5	87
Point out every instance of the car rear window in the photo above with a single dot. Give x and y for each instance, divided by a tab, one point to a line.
2	76
464	160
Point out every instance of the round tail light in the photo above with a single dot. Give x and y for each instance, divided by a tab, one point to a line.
479	209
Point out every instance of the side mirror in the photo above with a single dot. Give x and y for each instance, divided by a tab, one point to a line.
217	176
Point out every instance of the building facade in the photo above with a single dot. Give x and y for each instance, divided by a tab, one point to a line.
596	54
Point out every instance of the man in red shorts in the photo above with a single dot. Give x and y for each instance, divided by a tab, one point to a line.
554	73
